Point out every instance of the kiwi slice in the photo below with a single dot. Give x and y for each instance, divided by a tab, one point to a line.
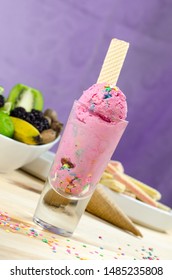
1	90
26	97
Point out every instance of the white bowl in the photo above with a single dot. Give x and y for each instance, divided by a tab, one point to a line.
14	154
142	213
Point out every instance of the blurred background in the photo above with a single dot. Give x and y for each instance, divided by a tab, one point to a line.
58	47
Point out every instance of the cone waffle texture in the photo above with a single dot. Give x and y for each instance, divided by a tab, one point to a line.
113	62
54	199
103	207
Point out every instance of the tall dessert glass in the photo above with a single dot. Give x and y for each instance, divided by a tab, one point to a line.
85	149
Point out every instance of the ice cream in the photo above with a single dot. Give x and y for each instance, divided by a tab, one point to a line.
94	128
91	135
107	102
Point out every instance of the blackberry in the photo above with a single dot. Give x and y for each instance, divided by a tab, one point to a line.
30	118
19	112
37	113
45	123
2	100
41	124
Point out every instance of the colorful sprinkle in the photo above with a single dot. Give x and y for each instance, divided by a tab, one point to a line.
76	250
68	251
45	240
107	95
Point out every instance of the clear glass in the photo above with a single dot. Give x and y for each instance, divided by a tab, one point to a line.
85	149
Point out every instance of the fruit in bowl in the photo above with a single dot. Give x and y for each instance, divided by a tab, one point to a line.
26	131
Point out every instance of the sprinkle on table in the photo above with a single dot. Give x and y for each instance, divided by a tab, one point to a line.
73	248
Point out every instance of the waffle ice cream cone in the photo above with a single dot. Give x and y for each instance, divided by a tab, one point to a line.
113	62
52	198
103	207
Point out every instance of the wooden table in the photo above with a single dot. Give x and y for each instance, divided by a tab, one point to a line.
94	238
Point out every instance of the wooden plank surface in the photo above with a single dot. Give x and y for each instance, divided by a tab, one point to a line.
20	238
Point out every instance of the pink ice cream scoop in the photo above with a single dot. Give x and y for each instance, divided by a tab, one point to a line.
107	102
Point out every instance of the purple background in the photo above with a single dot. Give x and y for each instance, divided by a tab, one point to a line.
58	47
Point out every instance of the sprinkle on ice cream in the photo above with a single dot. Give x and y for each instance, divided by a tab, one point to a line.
106	101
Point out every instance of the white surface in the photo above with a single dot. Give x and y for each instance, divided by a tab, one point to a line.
142	213
14	154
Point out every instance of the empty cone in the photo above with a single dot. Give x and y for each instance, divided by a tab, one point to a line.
103	207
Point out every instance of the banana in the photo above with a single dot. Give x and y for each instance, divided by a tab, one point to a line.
25	132
153	193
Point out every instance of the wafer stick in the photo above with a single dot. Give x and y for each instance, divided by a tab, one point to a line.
164	207
118	165
113	62
131	186
153	193
113	184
